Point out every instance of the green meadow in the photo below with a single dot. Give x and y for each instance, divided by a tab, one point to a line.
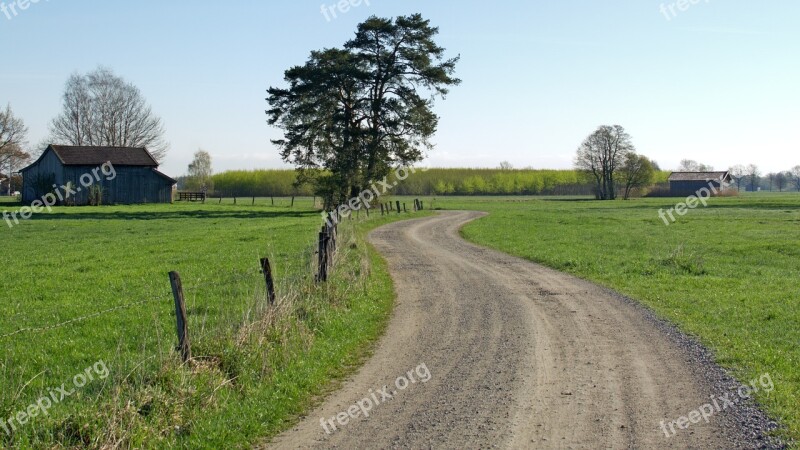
90	285
84	285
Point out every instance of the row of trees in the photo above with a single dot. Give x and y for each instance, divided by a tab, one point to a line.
265	183
750	176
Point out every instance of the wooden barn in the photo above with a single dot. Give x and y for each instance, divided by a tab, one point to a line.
125	175
684	184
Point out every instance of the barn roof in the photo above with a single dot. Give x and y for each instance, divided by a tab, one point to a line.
95	156
699	176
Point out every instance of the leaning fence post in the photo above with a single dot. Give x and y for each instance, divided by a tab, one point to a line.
180	314
266	269
404	208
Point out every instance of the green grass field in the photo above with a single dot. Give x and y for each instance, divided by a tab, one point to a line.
256	367
728	274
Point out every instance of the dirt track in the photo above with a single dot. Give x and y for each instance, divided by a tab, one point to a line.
519	356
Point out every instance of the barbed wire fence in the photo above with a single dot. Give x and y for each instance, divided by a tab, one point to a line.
320	258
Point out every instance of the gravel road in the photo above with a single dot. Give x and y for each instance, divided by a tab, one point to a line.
486	350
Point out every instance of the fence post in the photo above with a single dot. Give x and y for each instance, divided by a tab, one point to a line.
254	201
323	258
292	202
266	269
381	209
404	208
180	314
220	199
421	205
398	207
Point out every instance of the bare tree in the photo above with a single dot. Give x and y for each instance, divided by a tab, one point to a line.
688	165
782	179
12	138
505	165
753	174
101	108
601	155
796	177
738	172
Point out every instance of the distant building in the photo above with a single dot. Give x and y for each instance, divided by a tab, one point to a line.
135	176
684	184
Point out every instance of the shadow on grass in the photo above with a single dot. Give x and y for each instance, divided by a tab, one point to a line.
174	215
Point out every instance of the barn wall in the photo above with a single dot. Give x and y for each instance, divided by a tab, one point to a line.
33	180
132	185
687	188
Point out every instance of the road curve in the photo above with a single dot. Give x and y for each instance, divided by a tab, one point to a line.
515	356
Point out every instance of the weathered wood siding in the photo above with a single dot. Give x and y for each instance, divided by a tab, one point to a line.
132	185
33	179
687	188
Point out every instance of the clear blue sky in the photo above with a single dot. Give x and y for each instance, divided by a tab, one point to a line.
718	82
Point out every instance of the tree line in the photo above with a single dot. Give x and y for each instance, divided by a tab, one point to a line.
507	181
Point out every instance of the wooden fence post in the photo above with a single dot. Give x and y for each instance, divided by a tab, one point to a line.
254	201
180	314
292	202
404	208
266	269
381	209
398	207
323	258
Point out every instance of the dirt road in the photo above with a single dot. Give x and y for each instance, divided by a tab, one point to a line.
515	356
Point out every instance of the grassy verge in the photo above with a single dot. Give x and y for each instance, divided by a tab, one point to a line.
256	367
727	274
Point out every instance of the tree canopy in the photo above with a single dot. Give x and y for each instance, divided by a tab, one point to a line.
601	155
100	108
350	115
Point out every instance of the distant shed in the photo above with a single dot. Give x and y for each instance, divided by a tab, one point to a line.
690	183
134	179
